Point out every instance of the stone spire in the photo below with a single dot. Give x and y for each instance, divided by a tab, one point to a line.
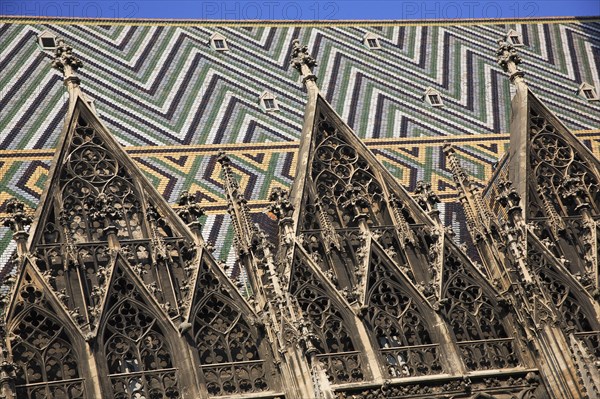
519	148
68	64
237	208
254	249
477	213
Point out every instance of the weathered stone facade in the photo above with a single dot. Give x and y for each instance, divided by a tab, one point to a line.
362	294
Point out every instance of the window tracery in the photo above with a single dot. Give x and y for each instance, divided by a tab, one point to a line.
89	172
406	345
43	352
231	359
573	316
557	166
137	353
344	180
481	335
333	337
228	350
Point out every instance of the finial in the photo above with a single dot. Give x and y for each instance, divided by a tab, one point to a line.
455	166
66	62
190	210
230	182
17	220
223	159
426	198
508	59
280	205
302	61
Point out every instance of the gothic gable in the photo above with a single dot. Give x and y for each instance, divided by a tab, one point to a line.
42	341
476	320
95	187
227	336
134	335
395	312
327	316
344	180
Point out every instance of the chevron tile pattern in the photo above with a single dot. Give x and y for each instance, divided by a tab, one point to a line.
173	101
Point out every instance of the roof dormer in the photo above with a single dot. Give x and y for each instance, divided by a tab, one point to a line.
588	92
371	40
433	97
268	101
514	38
218	42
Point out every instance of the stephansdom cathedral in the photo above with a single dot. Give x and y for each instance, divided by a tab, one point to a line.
363	292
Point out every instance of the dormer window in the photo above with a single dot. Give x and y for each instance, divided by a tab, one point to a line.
514	38
588	92
218	42
371	41
268	101
47	40
433	97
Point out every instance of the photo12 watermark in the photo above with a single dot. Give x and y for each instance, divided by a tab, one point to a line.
274	10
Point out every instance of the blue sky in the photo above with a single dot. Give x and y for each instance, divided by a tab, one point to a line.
302	9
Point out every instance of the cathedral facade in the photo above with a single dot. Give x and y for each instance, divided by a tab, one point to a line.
362	290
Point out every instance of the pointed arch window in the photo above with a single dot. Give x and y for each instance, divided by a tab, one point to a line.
230	358
479	329
47	363
332	336
574	316
137	353
406	346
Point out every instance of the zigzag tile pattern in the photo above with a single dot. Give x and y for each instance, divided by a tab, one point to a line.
174	102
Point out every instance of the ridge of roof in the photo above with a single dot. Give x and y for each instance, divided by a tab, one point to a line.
18	19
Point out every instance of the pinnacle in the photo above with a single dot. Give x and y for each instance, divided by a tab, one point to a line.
66	62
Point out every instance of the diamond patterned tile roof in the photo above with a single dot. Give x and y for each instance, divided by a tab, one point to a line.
174	102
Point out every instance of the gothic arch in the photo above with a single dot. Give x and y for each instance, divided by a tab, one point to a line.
331	332
45	356
571	305
575	310
570	299
407	343
482	337
232	355
135	344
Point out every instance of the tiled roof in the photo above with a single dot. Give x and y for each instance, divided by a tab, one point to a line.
173	101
